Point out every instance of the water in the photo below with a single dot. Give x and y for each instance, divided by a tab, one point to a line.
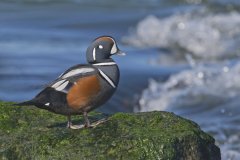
183	56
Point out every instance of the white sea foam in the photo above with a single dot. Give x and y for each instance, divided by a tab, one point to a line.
202	34
206	94
222	83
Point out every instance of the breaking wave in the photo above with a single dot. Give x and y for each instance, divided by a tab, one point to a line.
205	35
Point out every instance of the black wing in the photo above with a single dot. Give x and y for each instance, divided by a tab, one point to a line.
65	81
54	95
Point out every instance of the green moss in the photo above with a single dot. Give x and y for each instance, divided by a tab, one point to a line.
31	133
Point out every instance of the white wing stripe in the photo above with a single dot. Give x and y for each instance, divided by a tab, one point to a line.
55	85
107	78
62	86
77	71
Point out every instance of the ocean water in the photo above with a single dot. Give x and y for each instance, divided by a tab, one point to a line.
183	56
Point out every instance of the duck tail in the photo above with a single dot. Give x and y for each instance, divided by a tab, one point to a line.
26	103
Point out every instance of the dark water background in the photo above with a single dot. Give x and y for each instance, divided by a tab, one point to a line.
183	56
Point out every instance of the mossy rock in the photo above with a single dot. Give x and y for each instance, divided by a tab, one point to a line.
31	133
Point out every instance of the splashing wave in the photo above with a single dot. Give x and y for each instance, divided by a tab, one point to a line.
202	34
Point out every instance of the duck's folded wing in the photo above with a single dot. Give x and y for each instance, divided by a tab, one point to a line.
70	77
71	88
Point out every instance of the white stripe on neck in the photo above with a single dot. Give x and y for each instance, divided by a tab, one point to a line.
94	54
107	78
104	64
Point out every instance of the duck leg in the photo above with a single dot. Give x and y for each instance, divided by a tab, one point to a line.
87	122
70	125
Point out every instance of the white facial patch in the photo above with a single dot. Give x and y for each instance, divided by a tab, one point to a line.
114	48
100	47
77	71
47	104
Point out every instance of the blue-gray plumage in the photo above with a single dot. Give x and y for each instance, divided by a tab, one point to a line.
83	88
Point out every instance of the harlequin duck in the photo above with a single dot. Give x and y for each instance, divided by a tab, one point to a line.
83	87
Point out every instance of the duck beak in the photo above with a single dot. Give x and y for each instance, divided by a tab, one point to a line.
120	53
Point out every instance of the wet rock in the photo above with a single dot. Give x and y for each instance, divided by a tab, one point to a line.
31	133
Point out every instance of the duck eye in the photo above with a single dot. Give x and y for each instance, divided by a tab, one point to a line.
100	47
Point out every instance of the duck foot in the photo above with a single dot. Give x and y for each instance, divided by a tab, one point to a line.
76	126
87	123
95	124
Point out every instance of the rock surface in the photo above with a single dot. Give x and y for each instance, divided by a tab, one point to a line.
31	133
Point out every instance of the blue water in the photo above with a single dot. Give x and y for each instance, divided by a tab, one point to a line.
183	56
